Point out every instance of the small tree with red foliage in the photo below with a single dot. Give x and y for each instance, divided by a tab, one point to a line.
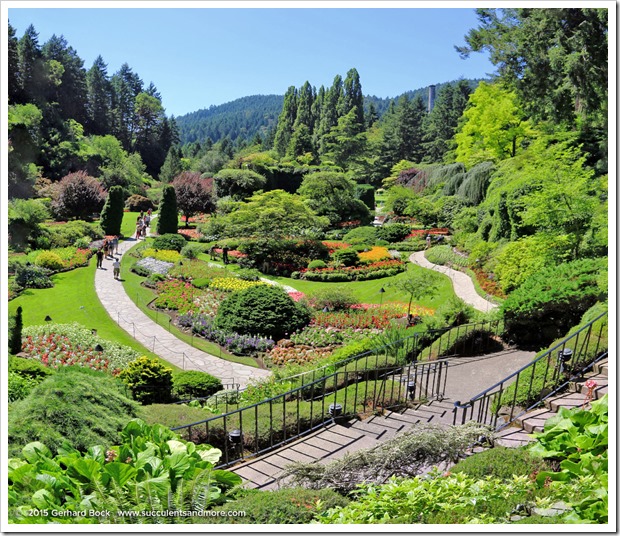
79	196
194	194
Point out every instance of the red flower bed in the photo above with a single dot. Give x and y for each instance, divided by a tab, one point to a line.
379	265
192	234
424	232
333	246
488	285
232	253
295	295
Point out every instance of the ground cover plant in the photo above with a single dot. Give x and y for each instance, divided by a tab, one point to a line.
147	468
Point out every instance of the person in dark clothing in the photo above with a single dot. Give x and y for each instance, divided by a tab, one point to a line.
225	254
99	258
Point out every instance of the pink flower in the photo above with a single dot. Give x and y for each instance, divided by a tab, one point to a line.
591	384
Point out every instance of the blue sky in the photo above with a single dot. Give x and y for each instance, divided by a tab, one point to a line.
199	57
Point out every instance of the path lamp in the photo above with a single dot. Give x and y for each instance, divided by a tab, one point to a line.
326	309
334	410
98	348
564	356
236	437
411	389
48	318
381	293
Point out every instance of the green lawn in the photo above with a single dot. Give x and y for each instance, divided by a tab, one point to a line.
368	291
142	296
73	299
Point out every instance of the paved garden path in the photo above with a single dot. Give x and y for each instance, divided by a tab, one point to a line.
122	309
462	283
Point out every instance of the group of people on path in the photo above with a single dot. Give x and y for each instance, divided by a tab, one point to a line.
142	223
109	249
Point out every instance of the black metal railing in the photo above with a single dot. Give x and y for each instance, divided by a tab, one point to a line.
259	428
506	401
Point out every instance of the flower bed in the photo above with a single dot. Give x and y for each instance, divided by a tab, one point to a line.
176	295
191	234
297	354
166	255
375	254
296	295
232	284
333	246
202	325
423	232
232	254
60	259
60	345
487	284
320	336
374	270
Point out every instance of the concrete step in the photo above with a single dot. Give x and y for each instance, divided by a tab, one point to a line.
602	367
377	430
534	421
513	436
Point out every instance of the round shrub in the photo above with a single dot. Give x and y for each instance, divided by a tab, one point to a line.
194	384
82	243
149	380
49	260
139	203
361	235
338	298
313	265
261	310
393	232
170	241
347	256
191	251
33	277
76	404
30	368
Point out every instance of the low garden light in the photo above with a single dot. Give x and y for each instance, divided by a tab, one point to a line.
381	293
326	309
98	348
335	410
564	356
48	318
411	389
235	437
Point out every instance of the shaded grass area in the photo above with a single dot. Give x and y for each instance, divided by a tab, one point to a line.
142	296
367	291
73	299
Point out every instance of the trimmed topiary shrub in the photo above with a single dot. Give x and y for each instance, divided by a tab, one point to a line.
171	241
313	265
149	380
16	325
194	384
549	302
112	213
168	220
76	404
347	256
393	232
261	310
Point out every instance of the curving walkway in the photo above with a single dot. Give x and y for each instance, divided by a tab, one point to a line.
462	283
121	308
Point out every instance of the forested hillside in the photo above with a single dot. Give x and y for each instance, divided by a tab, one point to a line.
242	119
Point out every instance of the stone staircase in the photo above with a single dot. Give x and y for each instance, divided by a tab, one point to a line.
534	421
337	438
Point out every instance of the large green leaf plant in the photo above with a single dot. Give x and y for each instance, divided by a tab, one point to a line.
152	476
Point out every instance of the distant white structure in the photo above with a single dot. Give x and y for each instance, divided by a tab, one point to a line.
431	97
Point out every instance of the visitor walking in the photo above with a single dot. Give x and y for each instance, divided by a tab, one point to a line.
225	254
428	241
212	251
115	244
99	258
116	268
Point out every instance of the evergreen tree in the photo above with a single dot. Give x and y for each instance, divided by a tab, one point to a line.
126	85
353	98
71	92
330	110
172	165
112	213
99	98
441	123
31	67
372	116
148	123
15	332
286	120
168	219
13	67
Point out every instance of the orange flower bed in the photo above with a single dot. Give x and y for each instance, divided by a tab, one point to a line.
377	253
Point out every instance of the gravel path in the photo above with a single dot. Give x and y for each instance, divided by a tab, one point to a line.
462	283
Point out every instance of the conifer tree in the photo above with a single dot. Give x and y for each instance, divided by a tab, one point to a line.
286	120
168	219
112	213
15	332
99	98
